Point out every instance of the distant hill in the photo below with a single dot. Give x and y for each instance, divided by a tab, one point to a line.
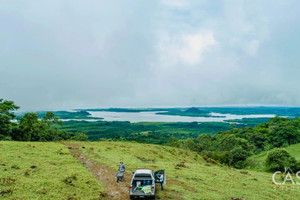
190	112
195	110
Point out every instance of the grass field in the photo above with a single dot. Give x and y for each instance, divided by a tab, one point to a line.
48	171
31	170
189	176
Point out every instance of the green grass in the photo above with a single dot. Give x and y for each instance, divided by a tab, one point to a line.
196	179
258	160
189	177
57	174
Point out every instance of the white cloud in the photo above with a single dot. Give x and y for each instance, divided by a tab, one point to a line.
174	3
252	47
185	49
67	54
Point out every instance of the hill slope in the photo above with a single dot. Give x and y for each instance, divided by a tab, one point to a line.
259	159
34	170
189	176
58	175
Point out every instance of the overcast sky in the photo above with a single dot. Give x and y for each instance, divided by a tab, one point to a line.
144	53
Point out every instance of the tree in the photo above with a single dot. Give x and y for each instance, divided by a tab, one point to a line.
203	142
278	159
29	128
283	131
32	129
7	109
237	157
80	137
189	144
174	142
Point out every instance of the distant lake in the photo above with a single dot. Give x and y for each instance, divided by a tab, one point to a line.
153	117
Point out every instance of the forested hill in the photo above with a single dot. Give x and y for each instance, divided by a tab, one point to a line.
234	147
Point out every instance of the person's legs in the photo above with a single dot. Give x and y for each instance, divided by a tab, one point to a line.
162	187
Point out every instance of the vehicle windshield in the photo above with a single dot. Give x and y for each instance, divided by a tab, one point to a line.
143	176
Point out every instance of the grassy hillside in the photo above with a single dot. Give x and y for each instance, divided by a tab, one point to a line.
44	171
189	176
259	160
48	171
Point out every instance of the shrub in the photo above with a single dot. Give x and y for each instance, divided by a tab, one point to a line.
80	137
238	156
297	166
278	159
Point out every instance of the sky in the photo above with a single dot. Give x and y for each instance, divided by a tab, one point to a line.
140	53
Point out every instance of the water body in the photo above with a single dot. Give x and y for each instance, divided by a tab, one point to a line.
153	117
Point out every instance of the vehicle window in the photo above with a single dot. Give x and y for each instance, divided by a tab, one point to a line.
143	176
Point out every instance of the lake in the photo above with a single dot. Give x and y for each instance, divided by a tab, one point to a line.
153	117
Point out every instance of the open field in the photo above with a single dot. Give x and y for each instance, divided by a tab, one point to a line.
33	170
51	171
189	176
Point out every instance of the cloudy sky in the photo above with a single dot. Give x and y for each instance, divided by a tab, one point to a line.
140	53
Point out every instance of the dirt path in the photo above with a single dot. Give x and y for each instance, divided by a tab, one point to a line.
104	174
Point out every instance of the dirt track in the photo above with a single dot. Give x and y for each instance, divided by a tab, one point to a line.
104	174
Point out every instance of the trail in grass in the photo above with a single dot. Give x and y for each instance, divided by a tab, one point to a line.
104	174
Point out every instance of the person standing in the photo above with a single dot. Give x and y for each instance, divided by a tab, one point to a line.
122	167
120	175
161	178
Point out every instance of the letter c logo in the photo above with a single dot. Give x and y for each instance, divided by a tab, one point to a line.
273	178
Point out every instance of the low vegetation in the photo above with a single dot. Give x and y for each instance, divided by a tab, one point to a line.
35	170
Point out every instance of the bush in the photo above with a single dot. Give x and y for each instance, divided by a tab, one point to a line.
297	166
80	137
238	156
278	159
222	157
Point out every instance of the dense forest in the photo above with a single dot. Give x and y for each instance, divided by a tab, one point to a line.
145	132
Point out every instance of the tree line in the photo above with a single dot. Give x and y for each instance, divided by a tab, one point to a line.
30	127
